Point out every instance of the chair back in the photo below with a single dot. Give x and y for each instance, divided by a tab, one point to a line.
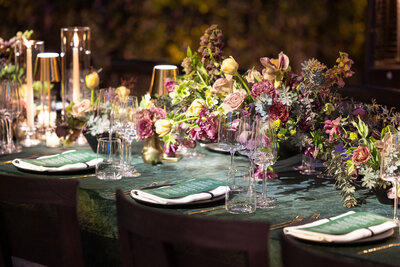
296	254
149	237
38	221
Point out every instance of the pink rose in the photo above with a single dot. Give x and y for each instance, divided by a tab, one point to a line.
279	111
223	86
145	129
79	109
262	88
170	84
234	101
360	155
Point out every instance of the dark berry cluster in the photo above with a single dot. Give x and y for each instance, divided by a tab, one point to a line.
211	49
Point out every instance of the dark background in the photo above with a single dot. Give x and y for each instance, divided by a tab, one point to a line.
129	37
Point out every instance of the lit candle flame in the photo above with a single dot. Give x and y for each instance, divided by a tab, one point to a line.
76	40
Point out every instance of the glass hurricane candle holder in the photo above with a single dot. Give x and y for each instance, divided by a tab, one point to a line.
75	63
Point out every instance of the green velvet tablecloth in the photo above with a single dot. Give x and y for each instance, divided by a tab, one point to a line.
296	194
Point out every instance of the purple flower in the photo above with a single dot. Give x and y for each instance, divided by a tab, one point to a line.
258	173
157	114
360	112
171	149
145	129
170	85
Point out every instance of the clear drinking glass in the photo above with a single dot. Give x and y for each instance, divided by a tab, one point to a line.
241	196
390	168
228	133
265	153
10	106
129	133
247	139
110	151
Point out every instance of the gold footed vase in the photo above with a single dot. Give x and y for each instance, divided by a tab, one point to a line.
152	152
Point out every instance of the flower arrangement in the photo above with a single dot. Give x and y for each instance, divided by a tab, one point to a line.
79	113
9	67
304	108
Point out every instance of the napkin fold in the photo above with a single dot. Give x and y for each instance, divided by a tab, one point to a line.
189	191
71	160
348	227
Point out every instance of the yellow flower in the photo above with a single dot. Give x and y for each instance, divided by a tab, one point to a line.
328	108
229	66
292	132
92	80
276	124
163	127
279	135
122	91
353	136
196	106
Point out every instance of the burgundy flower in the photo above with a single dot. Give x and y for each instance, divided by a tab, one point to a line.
303	125
145	129
171	149
170	85
360	112
279	111
262	88
311	152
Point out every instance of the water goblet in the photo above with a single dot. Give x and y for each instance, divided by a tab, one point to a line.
265	153
228	135
130	133
390	168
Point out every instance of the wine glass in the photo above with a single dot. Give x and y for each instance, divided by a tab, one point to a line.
264	154
11	107
390	167
247	139
130	133
228	135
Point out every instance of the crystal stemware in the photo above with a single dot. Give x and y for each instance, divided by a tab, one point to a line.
11	107
390	167
265	153
228	135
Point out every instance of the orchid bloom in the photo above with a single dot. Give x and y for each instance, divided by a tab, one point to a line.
332	128
274	68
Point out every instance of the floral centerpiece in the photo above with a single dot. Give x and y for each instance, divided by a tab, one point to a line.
305	109
79	113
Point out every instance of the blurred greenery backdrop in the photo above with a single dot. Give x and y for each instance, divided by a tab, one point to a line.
161	30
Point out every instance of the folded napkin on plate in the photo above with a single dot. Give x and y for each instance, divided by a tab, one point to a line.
67	161
348	227
182	193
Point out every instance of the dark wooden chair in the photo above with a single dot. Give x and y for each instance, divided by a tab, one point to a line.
38	222
150	237
296	254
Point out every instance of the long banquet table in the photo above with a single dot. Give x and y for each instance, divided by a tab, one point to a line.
296	194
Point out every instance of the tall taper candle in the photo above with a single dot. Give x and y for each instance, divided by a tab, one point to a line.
75	69
29	90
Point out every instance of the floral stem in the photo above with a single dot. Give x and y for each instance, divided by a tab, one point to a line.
201	78
187	119
244	84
